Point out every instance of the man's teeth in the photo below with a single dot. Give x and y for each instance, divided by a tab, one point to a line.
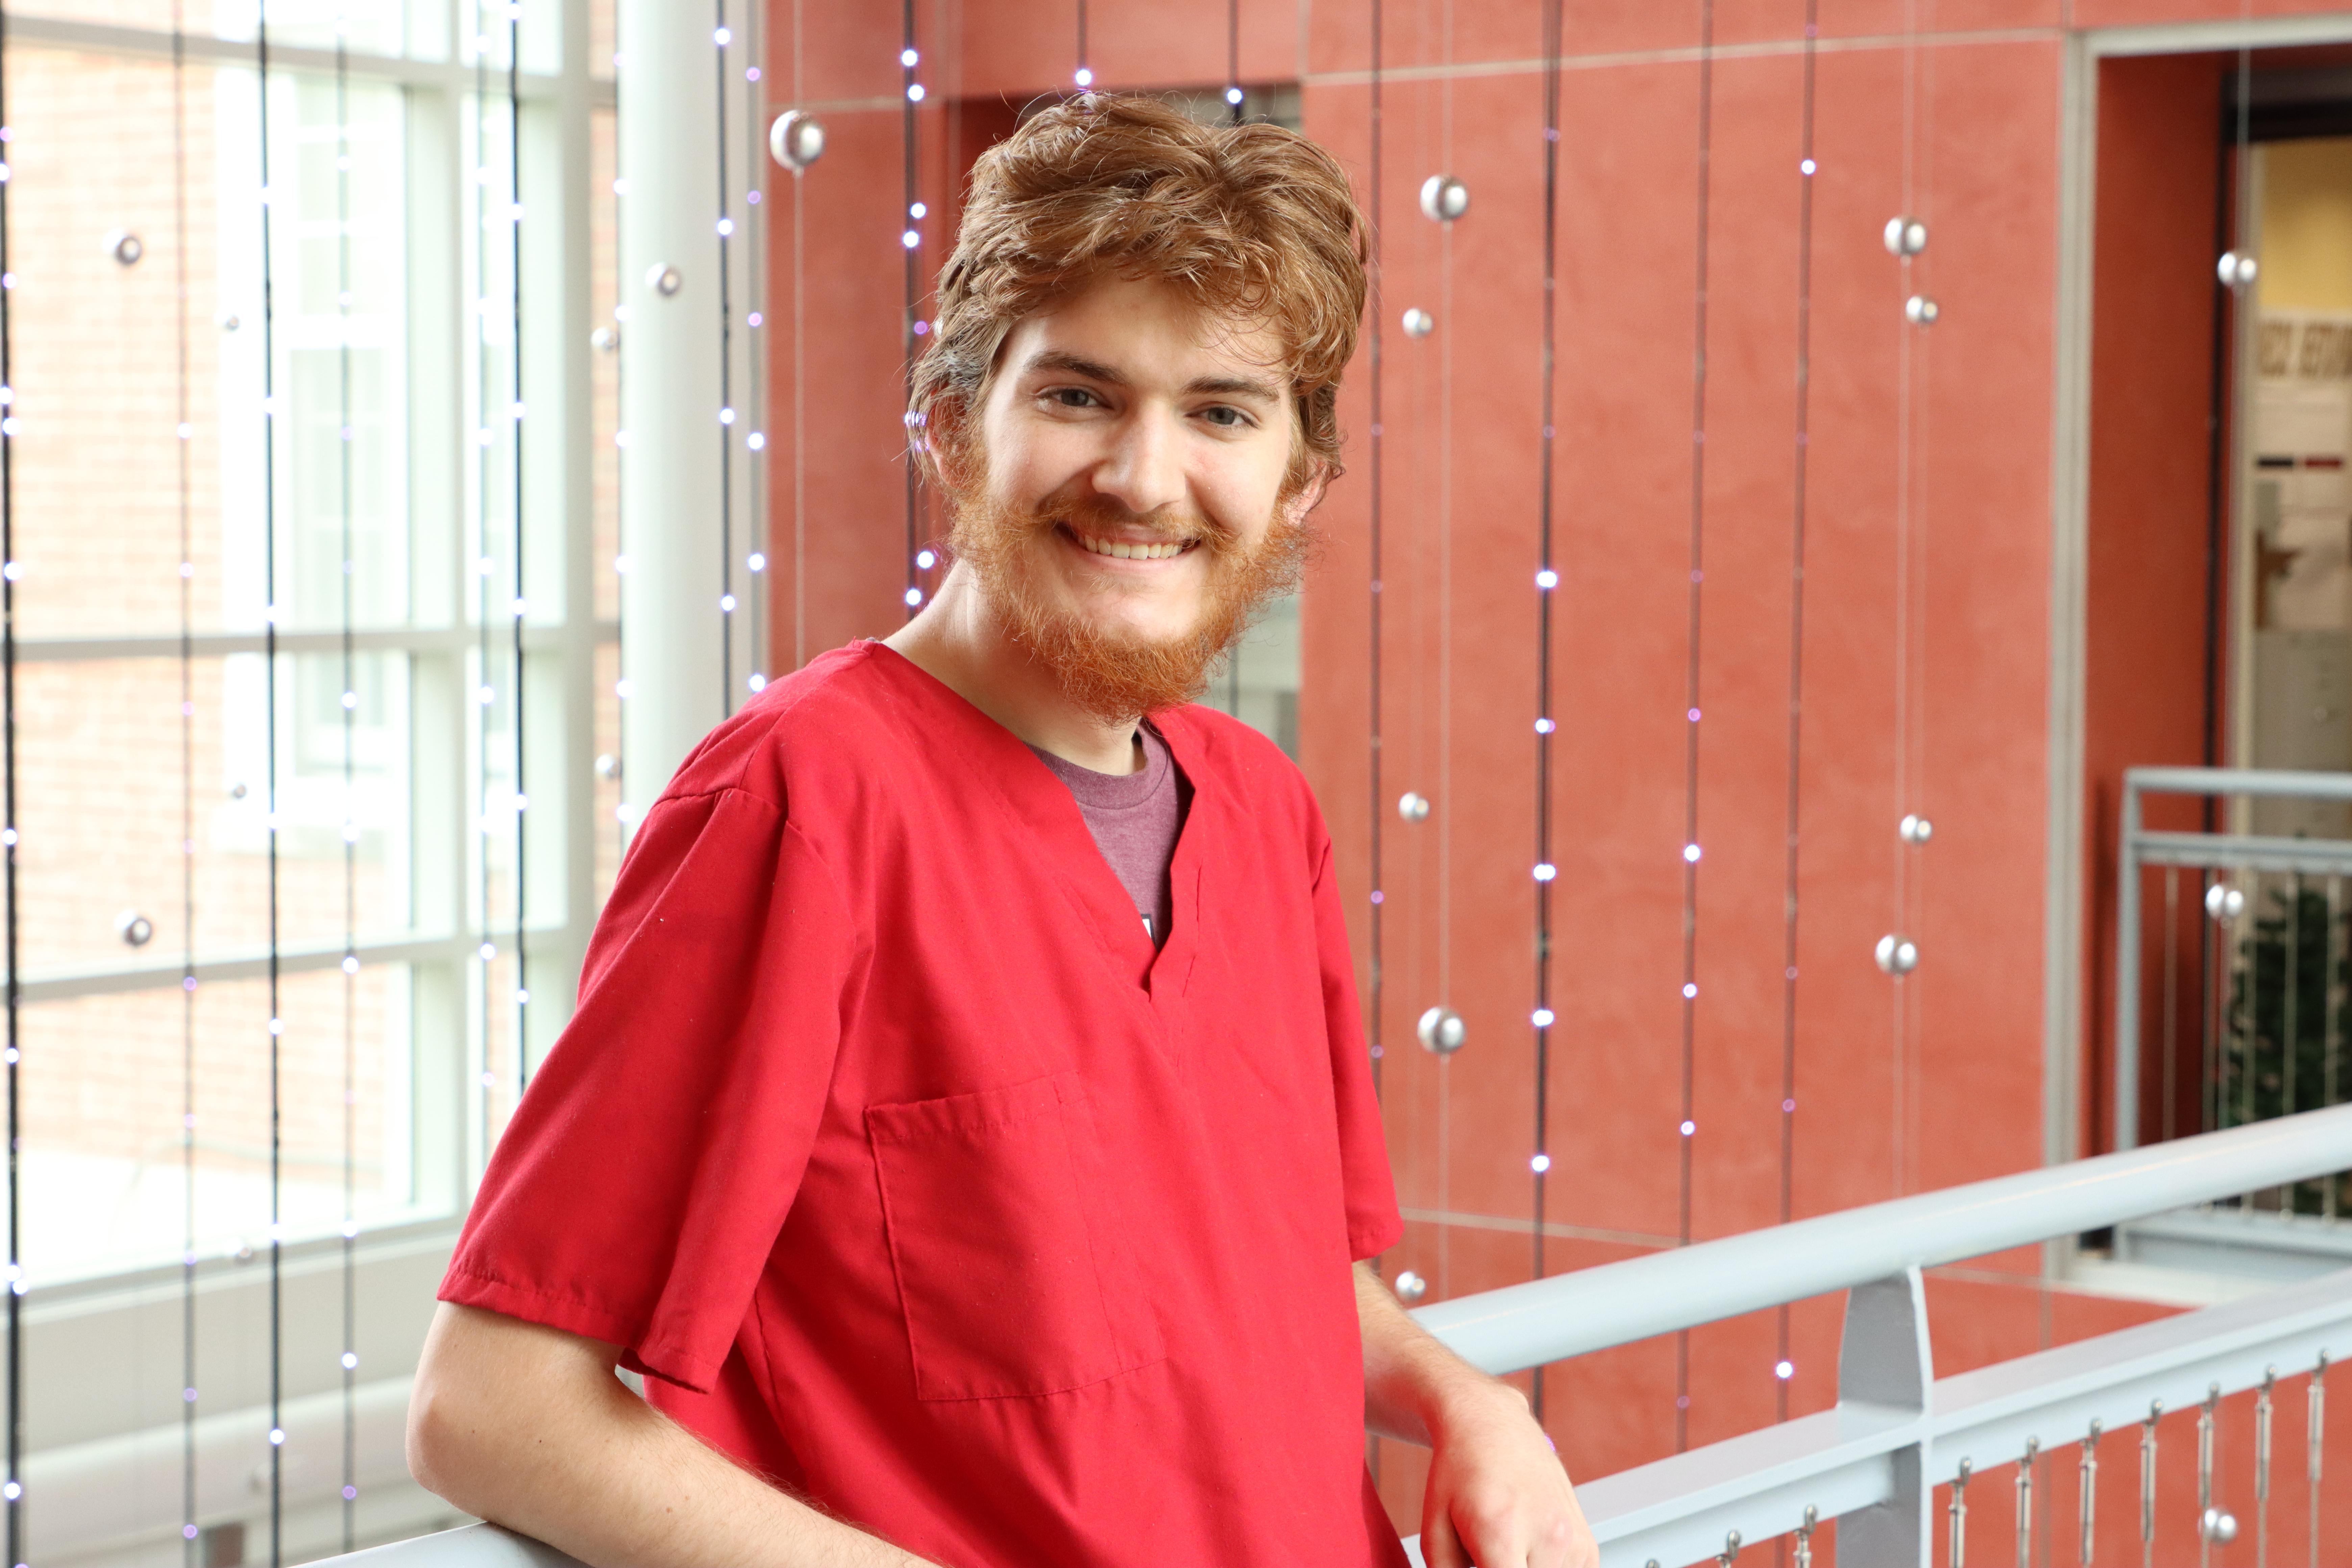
1126	552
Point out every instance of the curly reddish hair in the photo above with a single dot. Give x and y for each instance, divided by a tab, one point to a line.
1252	222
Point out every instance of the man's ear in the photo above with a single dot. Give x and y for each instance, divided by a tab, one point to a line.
941	445
1309	496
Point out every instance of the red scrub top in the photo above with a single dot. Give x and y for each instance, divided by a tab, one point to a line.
884	1141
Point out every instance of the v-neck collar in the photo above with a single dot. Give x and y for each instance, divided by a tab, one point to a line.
1042	805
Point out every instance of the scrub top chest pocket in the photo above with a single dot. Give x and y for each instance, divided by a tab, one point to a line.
1013	1276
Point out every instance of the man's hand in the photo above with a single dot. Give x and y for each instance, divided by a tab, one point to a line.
1498	1497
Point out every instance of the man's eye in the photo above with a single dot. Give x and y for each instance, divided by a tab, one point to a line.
1225	416
1073	397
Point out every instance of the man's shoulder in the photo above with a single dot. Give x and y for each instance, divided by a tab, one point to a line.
831	715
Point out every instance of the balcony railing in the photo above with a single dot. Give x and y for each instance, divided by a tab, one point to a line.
2233	951
1897	1431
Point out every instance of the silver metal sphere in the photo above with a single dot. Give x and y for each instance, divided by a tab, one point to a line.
1418	324
1920	311
796	139
1413	807
1897	956
1905	237
135	929
1411	1287
227	322
1443	198
2236	271
1442	1031
1916	829
2218	1526
125	247
605	340
608	766
664	279
2224	902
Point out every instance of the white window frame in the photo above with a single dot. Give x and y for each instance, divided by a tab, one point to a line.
81	1399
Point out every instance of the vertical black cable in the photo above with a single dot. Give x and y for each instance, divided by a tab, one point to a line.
484	565
1374	975
14	1492
1800	456
621	338
349	1359
521	603
269	686
908	99
1547	579
755	287
188	1553
1233	72
726	381
1687	1129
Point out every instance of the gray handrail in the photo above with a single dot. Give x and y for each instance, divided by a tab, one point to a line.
1521	1326
1615	1303
2275	782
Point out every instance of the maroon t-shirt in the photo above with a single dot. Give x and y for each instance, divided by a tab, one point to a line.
1135	819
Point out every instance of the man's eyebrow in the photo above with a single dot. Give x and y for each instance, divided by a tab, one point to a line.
1073	364
1234	386
1058	361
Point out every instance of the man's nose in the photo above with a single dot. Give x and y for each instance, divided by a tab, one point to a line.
1144	469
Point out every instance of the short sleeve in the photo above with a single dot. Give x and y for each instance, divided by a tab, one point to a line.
1373	1223
639	1188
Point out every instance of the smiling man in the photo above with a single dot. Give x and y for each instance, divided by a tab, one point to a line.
966	1126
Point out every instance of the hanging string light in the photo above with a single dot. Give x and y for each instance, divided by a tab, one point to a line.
1688	1126
1783	1366
1233	94
721	37
189	1555
1547	580
485	563
1084	76
12	1491
910	241
755	442
348	1361
519	607
618	565
1377	815
269	704
799	361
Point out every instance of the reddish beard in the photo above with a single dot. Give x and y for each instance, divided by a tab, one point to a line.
1112	673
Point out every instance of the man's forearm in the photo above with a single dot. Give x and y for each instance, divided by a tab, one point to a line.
530	1430
1411	1381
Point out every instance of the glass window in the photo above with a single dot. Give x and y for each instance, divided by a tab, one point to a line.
335	455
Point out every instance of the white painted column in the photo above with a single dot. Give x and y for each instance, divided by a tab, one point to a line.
670	462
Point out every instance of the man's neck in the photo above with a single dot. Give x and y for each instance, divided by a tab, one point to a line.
959	641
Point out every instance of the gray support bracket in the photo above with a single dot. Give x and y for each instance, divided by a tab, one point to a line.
1886	1371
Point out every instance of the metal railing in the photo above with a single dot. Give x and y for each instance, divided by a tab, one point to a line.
1897	1431
2250	962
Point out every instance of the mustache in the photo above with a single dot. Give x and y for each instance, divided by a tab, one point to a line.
1165	527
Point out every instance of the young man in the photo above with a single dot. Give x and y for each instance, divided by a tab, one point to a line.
966	1126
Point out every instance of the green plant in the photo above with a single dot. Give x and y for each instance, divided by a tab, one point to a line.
2287	1044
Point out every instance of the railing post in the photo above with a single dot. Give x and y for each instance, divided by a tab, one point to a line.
1884	1364
2127	946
